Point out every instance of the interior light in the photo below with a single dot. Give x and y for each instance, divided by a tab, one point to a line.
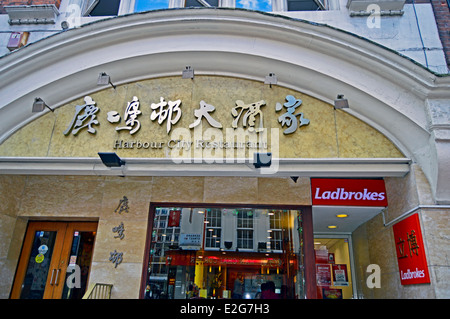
341	215
332	226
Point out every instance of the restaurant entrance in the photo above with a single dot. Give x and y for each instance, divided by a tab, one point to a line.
225	252
55	260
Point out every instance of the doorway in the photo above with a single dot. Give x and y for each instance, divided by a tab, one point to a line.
334	267
55	260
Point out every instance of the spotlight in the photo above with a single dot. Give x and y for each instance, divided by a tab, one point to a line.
188	73
341	102
104	79
111	159
39	105
271	79
262	160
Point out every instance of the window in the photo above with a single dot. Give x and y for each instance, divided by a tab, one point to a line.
275	230
260	5
304	5
201	3
198	252
102	7
213	228
245	229
145	5
164	236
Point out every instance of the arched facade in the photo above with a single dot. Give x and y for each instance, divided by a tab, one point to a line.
390	97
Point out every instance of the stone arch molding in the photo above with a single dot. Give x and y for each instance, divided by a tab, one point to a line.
389	92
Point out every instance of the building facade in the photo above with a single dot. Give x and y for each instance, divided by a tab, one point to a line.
202	149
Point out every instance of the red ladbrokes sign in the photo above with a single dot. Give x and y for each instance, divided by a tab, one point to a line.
348	192
412	262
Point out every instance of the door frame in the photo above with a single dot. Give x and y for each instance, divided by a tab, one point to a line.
60	257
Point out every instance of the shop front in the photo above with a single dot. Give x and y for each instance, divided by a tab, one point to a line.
185	175
226	252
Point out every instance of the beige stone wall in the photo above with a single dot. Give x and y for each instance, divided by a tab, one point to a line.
374	242
96	198
330	134
11	229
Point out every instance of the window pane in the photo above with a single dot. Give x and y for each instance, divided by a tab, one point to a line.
260	5
302	5
106	8
145	5
197	3
38	266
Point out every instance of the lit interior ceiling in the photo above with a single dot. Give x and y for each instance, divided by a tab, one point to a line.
324	216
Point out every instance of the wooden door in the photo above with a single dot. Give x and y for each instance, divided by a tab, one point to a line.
46	255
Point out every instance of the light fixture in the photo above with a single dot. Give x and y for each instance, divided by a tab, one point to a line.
111	159
332	226
65	25
262	160
294	178
188	73
104	79
342	215
39	105
341	102
271	79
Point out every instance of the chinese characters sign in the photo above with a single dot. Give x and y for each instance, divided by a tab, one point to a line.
412	262
247	115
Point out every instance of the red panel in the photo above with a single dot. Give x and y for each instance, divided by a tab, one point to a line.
412	261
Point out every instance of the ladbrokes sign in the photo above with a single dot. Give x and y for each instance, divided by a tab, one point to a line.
348	192
411	258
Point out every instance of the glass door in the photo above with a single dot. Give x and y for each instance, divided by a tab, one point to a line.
333	267
56	257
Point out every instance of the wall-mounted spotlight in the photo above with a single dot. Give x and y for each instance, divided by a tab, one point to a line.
188	73
341	102
104	79
294	178
111	159
271	79
65	25
262	160
39	105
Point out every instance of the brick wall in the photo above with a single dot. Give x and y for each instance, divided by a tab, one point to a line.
442	15
26	2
